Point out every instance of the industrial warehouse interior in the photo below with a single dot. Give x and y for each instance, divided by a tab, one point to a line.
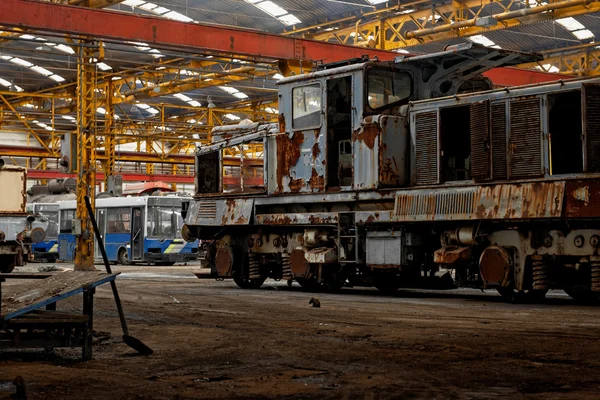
310	199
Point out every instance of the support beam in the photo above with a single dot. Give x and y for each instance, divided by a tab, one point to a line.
127	176
86	154
103	24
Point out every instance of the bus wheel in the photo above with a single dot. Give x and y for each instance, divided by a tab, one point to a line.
123	257
246	283
582	294
7	263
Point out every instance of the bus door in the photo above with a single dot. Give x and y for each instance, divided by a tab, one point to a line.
137	234
101	220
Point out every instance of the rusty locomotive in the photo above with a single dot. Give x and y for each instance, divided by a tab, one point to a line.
412	173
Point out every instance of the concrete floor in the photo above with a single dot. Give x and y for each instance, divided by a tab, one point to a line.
215	341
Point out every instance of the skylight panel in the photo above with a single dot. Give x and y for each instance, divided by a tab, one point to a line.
133	3
183	97
289	19
240	95
194	103
376	1
27	37
576	28
483	40
583	34
64	48
21	62
275	11
548	68
4	82
104	66
277	77
41	71
177	16
19	88
227	89
57	78
271	8
68	117
160	10
232	117
147	6
570	23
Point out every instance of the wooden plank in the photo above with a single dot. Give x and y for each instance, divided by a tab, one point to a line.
21	299
25	276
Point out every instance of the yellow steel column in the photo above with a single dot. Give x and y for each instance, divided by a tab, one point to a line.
149	150
86	157
109	135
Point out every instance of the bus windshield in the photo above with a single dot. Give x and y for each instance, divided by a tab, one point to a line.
164	221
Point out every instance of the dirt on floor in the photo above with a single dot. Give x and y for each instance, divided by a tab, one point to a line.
215	341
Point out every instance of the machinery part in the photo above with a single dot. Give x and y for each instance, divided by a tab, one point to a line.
582	294
313	237
286	269
253	266
495	267
2	162
2	236
541	273
466	235
187	235
595	272
224	262
123	257
37	235
8	262
299	265
450	255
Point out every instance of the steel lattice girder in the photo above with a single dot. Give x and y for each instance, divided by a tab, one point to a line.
578	60
451	20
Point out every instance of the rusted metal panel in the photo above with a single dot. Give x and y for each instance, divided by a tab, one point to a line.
321	255
297	219
365	143
426	147
368	217
450	255
525	141
582	199
220	212
393	151
509	201
13	180
498	131
480	141
591	126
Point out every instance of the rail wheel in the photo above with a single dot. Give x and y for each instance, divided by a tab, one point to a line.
123	257
7	263
246	283
386	283
512	295
583	294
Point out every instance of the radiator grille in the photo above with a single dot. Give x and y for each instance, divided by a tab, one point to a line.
592	126
207	209
445	204
480	141
498	114
426	148
525	138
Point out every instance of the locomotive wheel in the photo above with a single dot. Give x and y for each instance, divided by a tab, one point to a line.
246	283
583	294
123	257
7	263
511	295
389	287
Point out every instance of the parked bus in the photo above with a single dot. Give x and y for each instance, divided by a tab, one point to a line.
134	229
46	217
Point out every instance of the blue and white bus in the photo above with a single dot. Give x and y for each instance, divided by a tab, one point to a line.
46	217
135	229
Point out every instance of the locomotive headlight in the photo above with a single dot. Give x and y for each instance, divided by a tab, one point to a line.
579	241
595	241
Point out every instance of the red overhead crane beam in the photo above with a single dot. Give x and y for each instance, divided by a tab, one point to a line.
105	24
